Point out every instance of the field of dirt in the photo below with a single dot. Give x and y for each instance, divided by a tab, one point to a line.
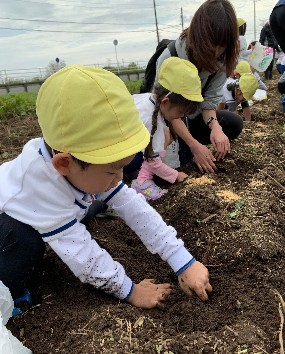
232	221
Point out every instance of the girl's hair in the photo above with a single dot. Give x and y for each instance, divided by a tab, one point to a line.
242	29
213	24
175	100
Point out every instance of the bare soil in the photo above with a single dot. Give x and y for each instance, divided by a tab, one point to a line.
232	221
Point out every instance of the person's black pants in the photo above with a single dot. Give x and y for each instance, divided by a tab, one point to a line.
277	24
22	250
231	124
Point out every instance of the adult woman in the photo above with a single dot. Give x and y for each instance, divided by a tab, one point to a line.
211	43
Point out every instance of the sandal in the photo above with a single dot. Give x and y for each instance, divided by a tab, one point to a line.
149	189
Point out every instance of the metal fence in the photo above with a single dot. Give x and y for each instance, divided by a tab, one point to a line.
8	76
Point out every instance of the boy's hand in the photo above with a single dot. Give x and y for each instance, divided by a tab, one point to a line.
181	176
195	278
147	295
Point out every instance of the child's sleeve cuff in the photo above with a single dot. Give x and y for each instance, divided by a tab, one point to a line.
130	292
181	259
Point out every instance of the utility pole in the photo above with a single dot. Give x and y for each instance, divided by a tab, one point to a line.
182	19
156	21
254	18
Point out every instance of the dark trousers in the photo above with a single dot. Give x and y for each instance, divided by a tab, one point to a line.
22	251
231	123
277	24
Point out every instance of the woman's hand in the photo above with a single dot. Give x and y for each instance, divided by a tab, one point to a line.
219	141
203	158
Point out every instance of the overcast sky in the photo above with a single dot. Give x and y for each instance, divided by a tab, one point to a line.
35	32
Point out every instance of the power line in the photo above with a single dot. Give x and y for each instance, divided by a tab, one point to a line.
93	7
75	22
57	31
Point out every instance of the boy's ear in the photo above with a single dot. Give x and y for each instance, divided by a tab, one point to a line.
61	162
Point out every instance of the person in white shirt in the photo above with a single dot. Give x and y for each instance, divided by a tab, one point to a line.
239	92
244	51
91	130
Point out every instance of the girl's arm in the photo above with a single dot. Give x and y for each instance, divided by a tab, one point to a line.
158	168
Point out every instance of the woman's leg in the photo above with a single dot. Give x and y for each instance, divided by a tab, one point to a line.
230	122
277	24
21	253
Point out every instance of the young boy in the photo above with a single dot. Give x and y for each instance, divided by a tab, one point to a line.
91	130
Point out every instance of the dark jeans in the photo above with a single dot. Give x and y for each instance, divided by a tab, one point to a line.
230	122
277	24
22	251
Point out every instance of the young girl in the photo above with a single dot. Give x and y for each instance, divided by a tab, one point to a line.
239	92
176	94
211	44
243	50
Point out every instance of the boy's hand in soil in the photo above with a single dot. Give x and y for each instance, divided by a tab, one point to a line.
181	176
195	278
147	295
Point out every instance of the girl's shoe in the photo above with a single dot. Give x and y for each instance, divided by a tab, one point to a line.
149	189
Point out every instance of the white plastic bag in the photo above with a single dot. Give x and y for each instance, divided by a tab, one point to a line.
8	343
260	95
261	57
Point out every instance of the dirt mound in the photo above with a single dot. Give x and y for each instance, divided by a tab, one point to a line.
232	221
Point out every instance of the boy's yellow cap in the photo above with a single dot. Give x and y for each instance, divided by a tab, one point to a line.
240	21
248	85
180	76
243	67
89	113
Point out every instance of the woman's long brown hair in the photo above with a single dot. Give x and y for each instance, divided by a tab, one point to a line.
214	24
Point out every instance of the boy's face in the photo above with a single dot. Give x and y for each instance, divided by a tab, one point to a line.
94	179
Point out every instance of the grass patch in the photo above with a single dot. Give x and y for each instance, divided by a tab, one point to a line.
23	104
20	104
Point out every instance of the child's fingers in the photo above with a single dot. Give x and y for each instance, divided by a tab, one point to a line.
148	281
209	288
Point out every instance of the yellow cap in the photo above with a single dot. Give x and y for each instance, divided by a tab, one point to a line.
248	85
240	21
180	76
243	67
89	113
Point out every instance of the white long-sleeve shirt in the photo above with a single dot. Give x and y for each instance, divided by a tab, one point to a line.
33	192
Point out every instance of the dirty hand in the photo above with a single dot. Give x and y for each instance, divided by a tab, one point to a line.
195	278
203	158
181	176
147	294
220	142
